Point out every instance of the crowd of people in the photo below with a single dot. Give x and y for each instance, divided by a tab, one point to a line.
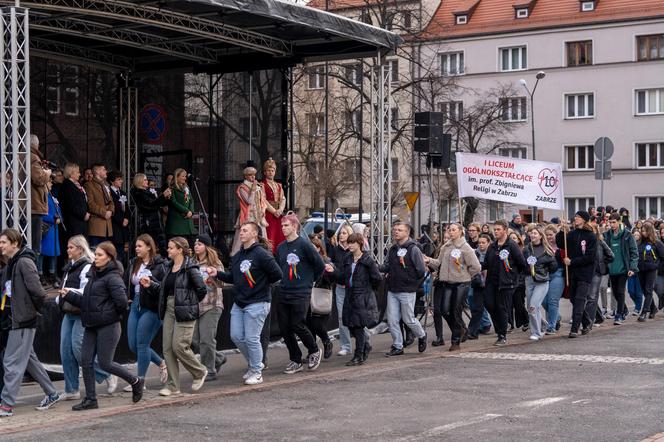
504	273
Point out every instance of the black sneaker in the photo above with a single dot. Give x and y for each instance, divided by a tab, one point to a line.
327	349
394	352
573	335
501	341
438	342
472	337
642	318
585	330
87	404
137	390
422	343
558	325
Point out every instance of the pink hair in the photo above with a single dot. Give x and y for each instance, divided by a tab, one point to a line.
291	218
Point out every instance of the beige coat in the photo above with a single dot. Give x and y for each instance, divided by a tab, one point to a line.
38	189
448	270
99	201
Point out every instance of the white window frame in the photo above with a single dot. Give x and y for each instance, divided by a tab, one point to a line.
522	13
460	66
461	19
354	69
510	48
588	6
446	107
576	105
590	161
523	101
320	126
659	146
590	200
660	209
319	73
496	206
659	92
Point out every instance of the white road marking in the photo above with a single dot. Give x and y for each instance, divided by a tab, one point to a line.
437	431
562	358
540	402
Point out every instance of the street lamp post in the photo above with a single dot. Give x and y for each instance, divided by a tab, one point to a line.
524	83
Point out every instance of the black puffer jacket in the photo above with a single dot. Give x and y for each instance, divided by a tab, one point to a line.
104	299
189	291
650	255
149	297
360	307
75	273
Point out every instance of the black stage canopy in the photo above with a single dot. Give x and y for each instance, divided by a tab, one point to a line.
210	36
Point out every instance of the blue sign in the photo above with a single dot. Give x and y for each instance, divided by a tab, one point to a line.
154	123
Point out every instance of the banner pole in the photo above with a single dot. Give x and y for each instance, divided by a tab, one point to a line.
565	245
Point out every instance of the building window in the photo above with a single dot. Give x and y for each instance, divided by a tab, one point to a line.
353	73
365	16
451	63
449	210
395	170
513	59
513	152
587	6
407	20
452	111
53	90
496	210
461	19
579	203
70	90
394	115
394	71
514	109
317	77
522	13
649	155
353	120
579	106
650	47
650	101
354	170
579	158
316	124
579	53
244	123
650	206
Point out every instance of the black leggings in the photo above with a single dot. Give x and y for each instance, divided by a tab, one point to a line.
647	280
448	304
318	325
101	341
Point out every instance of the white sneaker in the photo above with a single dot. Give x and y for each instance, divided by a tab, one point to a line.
250	371
255	378
343	353
197	384
168	392
112	383
534	338
73	396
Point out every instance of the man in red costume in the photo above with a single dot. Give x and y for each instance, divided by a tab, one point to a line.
276	203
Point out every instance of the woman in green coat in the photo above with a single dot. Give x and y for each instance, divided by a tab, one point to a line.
179	221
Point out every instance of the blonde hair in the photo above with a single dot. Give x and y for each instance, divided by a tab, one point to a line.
178	171
335	238
69	169
137	182
181	244
211	257
547	247
81	243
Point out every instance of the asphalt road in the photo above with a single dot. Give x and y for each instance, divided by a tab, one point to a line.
603	387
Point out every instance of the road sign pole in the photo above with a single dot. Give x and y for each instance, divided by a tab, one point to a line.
601	185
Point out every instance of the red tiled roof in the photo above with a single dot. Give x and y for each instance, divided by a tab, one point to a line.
497	16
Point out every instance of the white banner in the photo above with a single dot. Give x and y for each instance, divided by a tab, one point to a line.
512	180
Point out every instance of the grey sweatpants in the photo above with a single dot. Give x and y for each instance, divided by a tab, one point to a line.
19	356
204	341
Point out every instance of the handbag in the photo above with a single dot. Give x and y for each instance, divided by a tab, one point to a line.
321	301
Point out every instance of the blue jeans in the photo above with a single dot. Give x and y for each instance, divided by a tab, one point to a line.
635	292
552	299
401	307
142	326
486	320
71	339
246	326
344	334
535	294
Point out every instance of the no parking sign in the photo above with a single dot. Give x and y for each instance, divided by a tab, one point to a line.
154	123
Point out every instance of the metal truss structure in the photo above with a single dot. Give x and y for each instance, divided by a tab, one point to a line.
15	120
129	142
381	164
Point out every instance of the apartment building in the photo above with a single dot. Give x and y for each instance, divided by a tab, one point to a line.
604	77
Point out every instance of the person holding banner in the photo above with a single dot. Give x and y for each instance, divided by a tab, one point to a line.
541	264
503	263
581	252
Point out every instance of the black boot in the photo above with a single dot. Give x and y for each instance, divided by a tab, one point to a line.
87	404
438	342
137	390
358	358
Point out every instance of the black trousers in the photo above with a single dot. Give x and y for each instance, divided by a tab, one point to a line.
36	229
618	287
102	342
647	280
476	311
517	315
448	303
360	340
292	323
317	324
495	301
579	291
